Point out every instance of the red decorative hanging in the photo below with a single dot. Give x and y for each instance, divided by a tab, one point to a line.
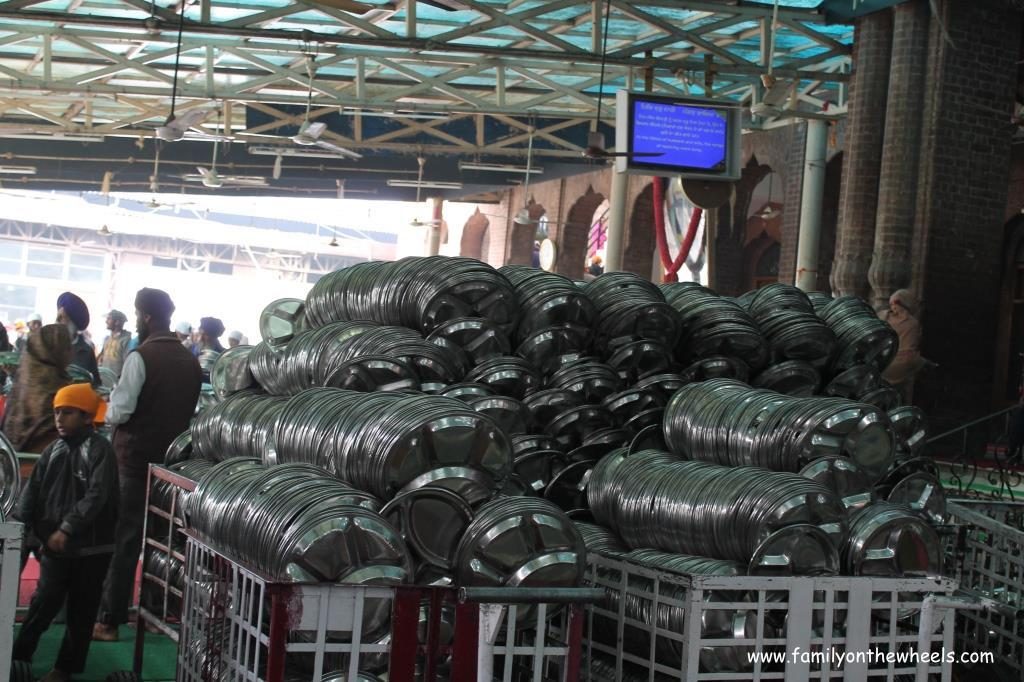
670	266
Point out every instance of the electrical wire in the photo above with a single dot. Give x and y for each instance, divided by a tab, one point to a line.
604	60
177	57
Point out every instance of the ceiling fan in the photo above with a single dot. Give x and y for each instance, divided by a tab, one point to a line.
777	91
523	215
418	222
781	97
595	140
310	132
180	127
214	180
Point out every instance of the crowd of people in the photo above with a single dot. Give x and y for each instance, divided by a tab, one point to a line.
83	505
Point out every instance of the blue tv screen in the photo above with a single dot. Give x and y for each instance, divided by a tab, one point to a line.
682	136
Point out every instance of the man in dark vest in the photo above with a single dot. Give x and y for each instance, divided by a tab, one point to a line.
151	405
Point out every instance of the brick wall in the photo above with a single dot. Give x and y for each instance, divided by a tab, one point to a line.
793	187
638	250
963	199
829	222
1015	190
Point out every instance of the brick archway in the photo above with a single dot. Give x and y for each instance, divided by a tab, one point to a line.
520	246
474	236
573	235
638	253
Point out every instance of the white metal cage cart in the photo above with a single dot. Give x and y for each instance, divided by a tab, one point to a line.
241	626
10	568
990	566
760	628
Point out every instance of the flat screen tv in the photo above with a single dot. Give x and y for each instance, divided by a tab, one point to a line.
686	137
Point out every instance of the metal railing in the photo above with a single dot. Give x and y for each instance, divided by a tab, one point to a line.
966	473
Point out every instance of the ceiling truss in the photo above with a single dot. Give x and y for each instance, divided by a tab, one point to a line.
106	67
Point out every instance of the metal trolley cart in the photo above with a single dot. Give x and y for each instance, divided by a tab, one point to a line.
10	568
240	625
766	628
163	557
989	560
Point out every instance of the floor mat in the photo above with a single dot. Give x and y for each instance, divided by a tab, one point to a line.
159	656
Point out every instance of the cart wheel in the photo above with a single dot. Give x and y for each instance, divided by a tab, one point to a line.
122	676
21	671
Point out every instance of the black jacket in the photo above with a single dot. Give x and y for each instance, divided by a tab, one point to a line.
74	488
84	355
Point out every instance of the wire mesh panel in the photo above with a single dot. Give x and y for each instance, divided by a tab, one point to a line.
237	625
991	565
657	625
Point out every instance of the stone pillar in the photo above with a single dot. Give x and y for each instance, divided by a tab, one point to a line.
872	49
616	221
812	200
897	186
792	172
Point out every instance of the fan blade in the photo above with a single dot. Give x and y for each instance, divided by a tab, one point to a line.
266	135
191	118
203	172
277	166
207	137
246	180
323	144
344	5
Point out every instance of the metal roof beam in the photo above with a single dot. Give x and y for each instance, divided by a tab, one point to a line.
292	38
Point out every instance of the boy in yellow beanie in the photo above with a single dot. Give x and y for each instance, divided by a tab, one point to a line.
70	503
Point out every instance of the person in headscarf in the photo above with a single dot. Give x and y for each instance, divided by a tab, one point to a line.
42	371
209	347
901	316
35	322
74	313
235	339
184	333
115	347
151	405
5	341
210	331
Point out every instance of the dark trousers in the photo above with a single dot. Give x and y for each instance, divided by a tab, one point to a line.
76	580
119	586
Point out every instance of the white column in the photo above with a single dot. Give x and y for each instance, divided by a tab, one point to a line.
810	205
435	225
616	221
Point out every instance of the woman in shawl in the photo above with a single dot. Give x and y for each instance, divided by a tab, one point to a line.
28	422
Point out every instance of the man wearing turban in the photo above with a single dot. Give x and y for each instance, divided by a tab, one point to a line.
209	346
151	405
210	331
74	314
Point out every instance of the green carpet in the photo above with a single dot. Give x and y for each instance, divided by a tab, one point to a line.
159	655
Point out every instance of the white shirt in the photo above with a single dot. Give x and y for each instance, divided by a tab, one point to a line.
125	395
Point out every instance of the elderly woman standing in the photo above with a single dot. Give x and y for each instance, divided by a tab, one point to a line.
28	421
908	361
